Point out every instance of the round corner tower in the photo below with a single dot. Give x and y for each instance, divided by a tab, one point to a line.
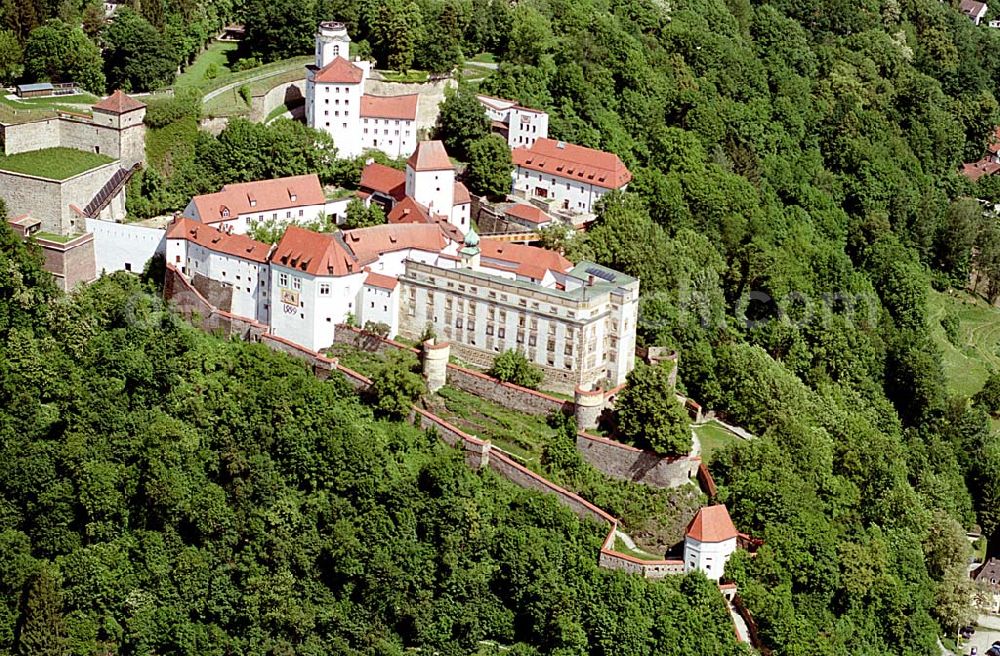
588	403
332	41
436	364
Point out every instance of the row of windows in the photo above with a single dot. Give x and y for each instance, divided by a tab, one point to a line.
386	132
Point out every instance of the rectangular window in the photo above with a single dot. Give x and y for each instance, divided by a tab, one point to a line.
283	280
324	289
296	282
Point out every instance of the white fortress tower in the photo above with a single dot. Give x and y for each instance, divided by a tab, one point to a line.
710	541
334	87
332	41
430	178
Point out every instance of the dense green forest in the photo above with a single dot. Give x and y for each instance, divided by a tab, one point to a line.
164	491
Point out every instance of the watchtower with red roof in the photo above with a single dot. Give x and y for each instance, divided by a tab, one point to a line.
710	541
125	133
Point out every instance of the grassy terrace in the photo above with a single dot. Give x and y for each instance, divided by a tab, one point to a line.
977	350
654	518
217	55
714	437
53	163
32	109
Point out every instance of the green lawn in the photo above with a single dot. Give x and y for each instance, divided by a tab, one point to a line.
408	76
483	58
51	236
967	364
621	547
51	102
53	163
218	54
714	437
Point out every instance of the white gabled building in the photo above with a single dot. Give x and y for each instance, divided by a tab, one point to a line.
710	541
565	176
236	265
318	279
520	126
428	193
337	104
298	198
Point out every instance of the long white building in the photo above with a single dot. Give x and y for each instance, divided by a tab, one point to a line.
238	206
234	268
337	104
566	176
577	323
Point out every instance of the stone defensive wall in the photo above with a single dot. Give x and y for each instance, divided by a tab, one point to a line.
262	104
628	463
613	458
479	454
193	306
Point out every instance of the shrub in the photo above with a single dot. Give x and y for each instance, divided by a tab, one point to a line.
185	103
513	367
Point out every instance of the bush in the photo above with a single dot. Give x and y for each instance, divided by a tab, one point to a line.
989	397
246	94
184	103
212	71
513	367
950	324
396	385
246	63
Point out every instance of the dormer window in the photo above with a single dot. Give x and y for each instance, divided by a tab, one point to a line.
253	203
294	197
225	212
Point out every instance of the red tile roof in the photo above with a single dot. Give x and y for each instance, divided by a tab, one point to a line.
319	254
118	103
528	213
979	169
462	194
367	244
712	524
339	71
574	162
381	281
349	251
397	107
408	211
384	179
216	240
529	261
430	156
261	196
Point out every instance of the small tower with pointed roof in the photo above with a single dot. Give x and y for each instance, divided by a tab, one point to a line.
125	114
470	253
710	541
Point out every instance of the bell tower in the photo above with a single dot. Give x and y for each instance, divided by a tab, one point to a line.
332	41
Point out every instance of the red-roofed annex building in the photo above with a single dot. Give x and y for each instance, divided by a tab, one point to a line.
426	192
568	177
237	206
229	261
336	101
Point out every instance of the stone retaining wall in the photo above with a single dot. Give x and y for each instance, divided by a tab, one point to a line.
631	464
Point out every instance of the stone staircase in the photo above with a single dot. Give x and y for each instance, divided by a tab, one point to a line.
111	189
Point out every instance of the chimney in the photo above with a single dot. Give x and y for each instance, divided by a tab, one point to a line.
590	281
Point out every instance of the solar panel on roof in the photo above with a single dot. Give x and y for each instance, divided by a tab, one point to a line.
601	273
